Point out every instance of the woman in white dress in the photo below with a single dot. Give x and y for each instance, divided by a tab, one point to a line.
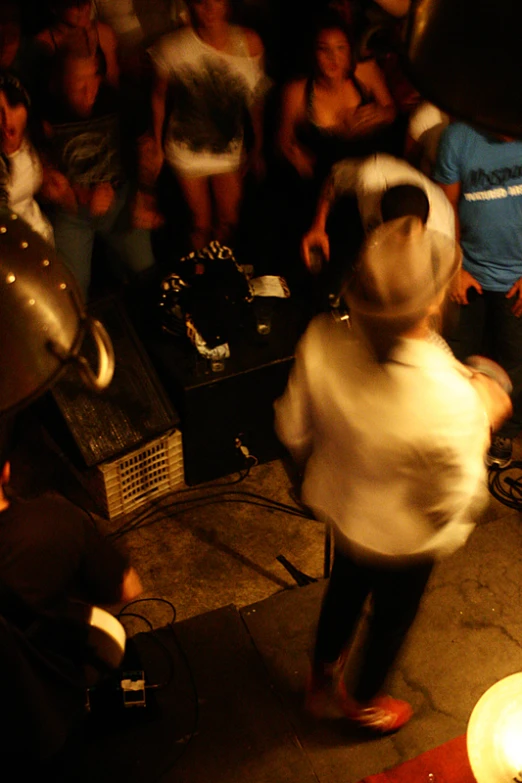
209	79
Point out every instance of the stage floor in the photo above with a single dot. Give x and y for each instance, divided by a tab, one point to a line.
232	711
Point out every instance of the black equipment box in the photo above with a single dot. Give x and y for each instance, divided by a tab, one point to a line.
219	408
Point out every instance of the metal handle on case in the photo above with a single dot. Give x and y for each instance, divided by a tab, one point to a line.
99	381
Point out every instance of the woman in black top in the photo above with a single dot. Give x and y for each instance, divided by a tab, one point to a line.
338	111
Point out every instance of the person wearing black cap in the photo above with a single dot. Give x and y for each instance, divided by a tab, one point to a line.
407	192
390	431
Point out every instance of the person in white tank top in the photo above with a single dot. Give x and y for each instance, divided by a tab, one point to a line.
213	74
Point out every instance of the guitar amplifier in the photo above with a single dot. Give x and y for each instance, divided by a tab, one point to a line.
221	411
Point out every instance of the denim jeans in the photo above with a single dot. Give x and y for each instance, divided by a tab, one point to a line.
488	327
74	235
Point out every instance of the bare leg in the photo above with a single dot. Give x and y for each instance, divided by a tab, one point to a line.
196	192
227	190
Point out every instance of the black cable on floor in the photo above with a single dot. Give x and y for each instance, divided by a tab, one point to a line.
179	507
505	486
252	462
170	625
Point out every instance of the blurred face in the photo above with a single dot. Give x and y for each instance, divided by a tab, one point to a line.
208	13
80	84
77	15
332	53
13	121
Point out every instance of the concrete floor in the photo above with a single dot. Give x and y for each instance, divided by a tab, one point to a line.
467	637
225	553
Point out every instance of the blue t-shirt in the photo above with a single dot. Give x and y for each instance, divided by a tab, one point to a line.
490	207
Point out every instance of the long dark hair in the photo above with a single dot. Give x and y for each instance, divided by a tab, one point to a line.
16	95
331	20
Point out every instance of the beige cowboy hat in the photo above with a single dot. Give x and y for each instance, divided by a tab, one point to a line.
402	269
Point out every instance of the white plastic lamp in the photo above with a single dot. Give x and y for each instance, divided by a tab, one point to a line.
494	736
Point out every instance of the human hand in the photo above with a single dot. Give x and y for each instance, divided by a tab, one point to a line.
57	188
497	402
145	213
131	586
102	197
362	121
459	289
150	159
516	290
315	238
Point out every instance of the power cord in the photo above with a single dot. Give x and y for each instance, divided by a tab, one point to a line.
505	487
200	501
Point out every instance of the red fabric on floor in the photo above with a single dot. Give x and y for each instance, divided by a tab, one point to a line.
448	764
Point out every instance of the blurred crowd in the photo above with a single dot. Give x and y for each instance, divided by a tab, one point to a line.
137	134
149	130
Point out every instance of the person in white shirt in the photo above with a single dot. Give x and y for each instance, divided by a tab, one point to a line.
390	431
425	127
368	179
22	170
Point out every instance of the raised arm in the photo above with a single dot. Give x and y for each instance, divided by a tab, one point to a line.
109	45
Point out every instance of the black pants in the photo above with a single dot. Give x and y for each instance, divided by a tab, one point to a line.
396	591
487	326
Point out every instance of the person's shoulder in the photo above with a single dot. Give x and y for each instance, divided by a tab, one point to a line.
106	34
451	381
170	43
324	329
253	41
455	142
426	116
459	132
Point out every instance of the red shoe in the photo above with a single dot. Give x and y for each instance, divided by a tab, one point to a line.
321	690
382	714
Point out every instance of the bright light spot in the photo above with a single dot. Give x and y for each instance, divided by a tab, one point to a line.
11	278
510	739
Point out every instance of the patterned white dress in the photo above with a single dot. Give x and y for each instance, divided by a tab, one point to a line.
211	93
